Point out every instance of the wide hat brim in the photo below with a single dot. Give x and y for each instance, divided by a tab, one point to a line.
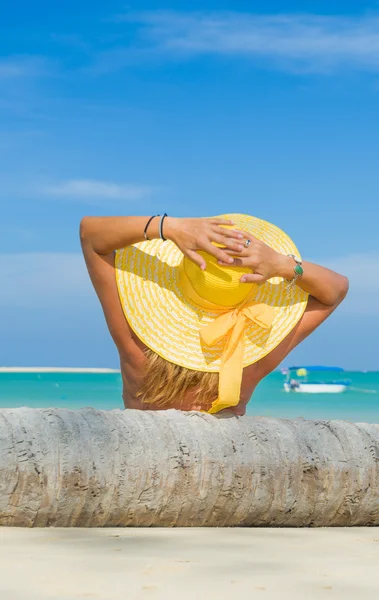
169	323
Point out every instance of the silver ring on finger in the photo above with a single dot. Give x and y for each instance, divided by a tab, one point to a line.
247	243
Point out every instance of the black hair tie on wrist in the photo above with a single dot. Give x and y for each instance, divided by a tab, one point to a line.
147	225
161	227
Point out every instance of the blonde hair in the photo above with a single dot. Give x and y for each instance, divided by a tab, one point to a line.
164	383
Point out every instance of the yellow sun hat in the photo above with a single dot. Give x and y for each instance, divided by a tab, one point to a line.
208	320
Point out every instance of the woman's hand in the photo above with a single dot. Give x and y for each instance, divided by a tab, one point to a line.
260	258
192	235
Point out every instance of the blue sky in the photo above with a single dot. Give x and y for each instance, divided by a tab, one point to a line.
193	109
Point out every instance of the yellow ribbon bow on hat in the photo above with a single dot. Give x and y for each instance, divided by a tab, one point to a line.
231	367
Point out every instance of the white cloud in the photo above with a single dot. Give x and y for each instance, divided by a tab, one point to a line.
302	41
92	191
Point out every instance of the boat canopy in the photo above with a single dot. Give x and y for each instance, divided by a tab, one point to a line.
315	368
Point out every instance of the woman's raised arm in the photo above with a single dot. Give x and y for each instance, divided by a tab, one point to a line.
325	285
106	234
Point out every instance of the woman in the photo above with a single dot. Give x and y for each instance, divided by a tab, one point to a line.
202	309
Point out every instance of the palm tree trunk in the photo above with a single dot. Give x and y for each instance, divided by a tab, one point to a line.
92	468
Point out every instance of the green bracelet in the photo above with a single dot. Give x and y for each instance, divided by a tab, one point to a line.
298	269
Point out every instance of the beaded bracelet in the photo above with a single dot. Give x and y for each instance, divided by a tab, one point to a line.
298	270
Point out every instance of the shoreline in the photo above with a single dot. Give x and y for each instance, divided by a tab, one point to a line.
4	369
56	370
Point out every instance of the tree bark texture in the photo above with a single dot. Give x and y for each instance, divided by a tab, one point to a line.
91	468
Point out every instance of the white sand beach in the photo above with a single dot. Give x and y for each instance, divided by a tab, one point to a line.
170	564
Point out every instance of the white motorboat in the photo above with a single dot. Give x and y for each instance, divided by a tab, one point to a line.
297	381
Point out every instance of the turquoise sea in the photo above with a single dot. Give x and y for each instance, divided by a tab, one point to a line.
103	391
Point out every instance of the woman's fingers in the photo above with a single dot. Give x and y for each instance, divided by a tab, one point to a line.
218	253
237	233
237	262
248	236
253	278
244	253
246	277
232	250
229	243
227	233
216	221
197	259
